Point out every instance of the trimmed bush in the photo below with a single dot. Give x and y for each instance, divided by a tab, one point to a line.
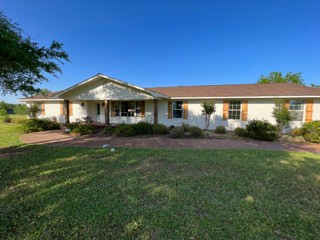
109	130
177	132
142	128
311	131
124	130
6	119
262	130
83	129
195	131
242	132
36	125
296	132
160	129
72	126
185	127
220	130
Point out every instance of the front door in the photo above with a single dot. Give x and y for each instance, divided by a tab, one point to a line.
98	113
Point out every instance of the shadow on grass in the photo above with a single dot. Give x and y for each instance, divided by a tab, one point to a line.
154	193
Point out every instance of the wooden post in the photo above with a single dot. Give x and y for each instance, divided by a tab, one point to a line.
67	112
155	111
106	112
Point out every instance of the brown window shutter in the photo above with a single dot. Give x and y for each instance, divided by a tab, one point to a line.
143	109
61	108
113	109
309	110
287	103
225	109
244	116
70	109
169	109
43	110
185	109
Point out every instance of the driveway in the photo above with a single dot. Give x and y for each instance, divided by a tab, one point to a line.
60	138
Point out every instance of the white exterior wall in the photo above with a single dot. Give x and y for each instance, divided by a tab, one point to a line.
257	109
103	90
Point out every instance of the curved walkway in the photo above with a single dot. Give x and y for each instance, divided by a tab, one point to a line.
60	138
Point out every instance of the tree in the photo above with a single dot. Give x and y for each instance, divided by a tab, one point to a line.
277	77
282	114
23	63
21	109
33	111
3	108
208	108
315	85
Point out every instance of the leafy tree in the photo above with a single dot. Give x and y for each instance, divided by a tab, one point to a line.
23	63
208	108
282	114
33	111
3	108
315	85
21	109
277	77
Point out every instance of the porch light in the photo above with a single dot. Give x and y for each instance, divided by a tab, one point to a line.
82	104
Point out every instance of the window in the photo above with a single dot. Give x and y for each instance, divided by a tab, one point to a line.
127	109
177	109
296	108
39	104
98	109
234	110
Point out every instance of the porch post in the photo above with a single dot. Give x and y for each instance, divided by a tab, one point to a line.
106	112
67	113
155	111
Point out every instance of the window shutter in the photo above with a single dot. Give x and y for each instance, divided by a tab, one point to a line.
169	109
70	109
287	103
244	116
309	110
43	110
61	108
113	110
143	109
225	109
185	109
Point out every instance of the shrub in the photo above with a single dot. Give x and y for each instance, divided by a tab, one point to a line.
33	110
83	129
72	126
177	132
21	109
262	130
109	130
185	127
6	118
160	129
36	125
142	128
220	130
124	130
311	131
242	132
296	132
18	119
195	131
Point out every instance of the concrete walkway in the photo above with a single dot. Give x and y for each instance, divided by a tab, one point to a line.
60	138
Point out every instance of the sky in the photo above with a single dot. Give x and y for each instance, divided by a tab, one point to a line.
169	43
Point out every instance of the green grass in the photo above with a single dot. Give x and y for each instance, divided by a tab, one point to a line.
73	193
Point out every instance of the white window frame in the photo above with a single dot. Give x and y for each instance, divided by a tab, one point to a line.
233	110
302	110
118	104
177	109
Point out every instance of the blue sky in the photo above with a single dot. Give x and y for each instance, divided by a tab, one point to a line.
167	43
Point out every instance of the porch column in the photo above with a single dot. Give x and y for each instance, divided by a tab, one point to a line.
106	112
67	113
155	111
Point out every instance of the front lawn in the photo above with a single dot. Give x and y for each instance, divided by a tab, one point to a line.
73	193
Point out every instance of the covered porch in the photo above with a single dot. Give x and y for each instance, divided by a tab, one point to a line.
108	112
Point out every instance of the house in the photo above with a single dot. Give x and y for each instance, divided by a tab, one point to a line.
110	101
